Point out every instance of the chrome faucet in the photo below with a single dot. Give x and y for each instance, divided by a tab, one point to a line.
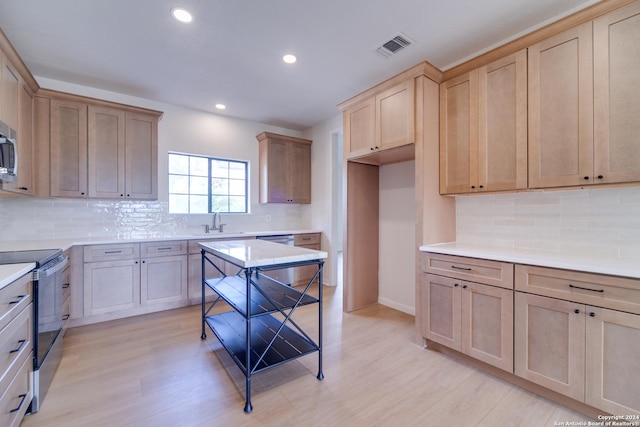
215	217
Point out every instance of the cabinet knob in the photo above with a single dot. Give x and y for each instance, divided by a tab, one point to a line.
576	311
23	188
592	314
473	186
586	178
600	177
482	186
464	286
455	285
371	148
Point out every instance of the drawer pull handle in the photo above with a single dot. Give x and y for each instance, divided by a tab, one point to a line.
22	397
65	286
460	268
20	298
112	252
22	342
66	317
165	249
306	238
586	289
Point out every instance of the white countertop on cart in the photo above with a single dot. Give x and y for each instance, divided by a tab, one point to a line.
260	253
12	272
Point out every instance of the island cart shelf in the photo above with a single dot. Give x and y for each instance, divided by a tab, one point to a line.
260	332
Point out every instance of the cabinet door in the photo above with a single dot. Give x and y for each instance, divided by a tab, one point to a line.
141	158
277	171
360	128
502	124
9	90
106	152
550	343
68	149
459	134
617	95
111	286
299	159
442	302
487	324
25	181
395	116
613	361
163	280
561	109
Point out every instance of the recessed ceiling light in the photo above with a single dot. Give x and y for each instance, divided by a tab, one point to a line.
181	14
289	59
221	106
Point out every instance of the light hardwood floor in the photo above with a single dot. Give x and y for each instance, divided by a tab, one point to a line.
154	370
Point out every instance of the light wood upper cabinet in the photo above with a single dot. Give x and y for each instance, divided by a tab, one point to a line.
68	149
459	134
98	149
141	151
380	122
25	179
285	169
561	109
616	63
106	152
9	92
483	128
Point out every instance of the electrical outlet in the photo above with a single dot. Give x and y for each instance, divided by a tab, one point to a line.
268	218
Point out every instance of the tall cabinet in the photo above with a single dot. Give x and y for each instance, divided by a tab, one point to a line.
393	122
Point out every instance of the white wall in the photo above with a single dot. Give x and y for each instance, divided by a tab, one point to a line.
396	276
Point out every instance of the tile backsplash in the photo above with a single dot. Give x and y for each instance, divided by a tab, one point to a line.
35	219
594	221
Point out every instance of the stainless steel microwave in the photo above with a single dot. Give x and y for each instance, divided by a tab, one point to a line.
8	154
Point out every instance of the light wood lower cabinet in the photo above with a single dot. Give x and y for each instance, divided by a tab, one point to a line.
117	279
565	342
302	275
549	343
473	318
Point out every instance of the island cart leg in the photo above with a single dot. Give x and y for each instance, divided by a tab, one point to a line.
204	335
247	405
320	374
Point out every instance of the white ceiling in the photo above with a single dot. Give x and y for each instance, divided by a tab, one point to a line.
231	52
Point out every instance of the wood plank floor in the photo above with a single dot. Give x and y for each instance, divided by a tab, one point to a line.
154	370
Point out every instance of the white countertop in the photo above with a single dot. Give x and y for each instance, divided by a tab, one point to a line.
625	267
11	272
259	253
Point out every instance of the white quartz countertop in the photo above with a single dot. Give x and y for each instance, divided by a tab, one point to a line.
625	267
260	253
12	272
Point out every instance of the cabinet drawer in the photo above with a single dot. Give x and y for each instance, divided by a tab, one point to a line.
15	400
15	344
306	239
613	292
14	298
493	273
153	249
111	252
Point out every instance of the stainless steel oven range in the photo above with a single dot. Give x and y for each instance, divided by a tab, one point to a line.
47	312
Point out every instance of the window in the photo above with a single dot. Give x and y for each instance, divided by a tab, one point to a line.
199	184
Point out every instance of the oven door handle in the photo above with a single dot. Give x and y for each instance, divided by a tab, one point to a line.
53	270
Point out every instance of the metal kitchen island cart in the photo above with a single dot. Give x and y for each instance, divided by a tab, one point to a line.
260	332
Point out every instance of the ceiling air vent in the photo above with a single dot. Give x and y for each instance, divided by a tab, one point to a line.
394	45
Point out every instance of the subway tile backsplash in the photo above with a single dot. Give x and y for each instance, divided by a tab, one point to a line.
34	219
594	221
